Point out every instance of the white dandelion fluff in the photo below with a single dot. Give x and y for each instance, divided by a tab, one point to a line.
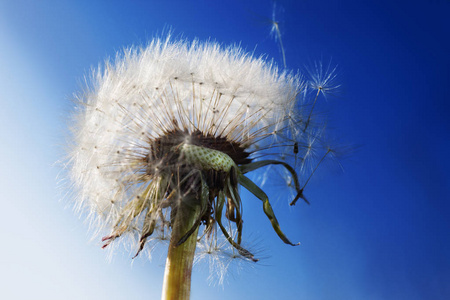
174	127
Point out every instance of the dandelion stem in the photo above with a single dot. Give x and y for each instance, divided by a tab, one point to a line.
177	275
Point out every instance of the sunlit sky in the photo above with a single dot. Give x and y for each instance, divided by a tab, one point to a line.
379	229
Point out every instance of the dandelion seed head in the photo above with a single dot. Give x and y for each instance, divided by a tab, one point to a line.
177	122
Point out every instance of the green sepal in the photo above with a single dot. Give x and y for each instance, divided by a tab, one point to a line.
255	190
204	205
218	214
262	163
234	194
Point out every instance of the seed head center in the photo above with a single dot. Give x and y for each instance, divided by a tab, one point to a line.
206	158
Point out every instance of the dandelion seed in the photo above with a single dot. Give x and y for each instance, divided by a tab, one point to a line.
163	140
322	80
276	33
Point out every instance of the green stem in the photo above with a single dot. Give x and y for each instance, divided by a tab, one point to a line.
177	276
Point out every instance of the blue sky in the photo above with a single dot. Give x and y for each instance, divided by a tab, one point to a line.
378	230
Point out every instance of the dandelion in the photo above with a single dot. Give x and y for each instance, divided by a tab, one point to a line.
164	138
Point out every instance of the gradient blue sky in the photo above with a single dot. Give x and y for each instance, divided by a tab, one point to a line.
378	230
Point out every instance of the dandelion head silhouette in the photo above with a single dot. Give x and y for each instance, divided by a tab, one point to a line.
177	124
